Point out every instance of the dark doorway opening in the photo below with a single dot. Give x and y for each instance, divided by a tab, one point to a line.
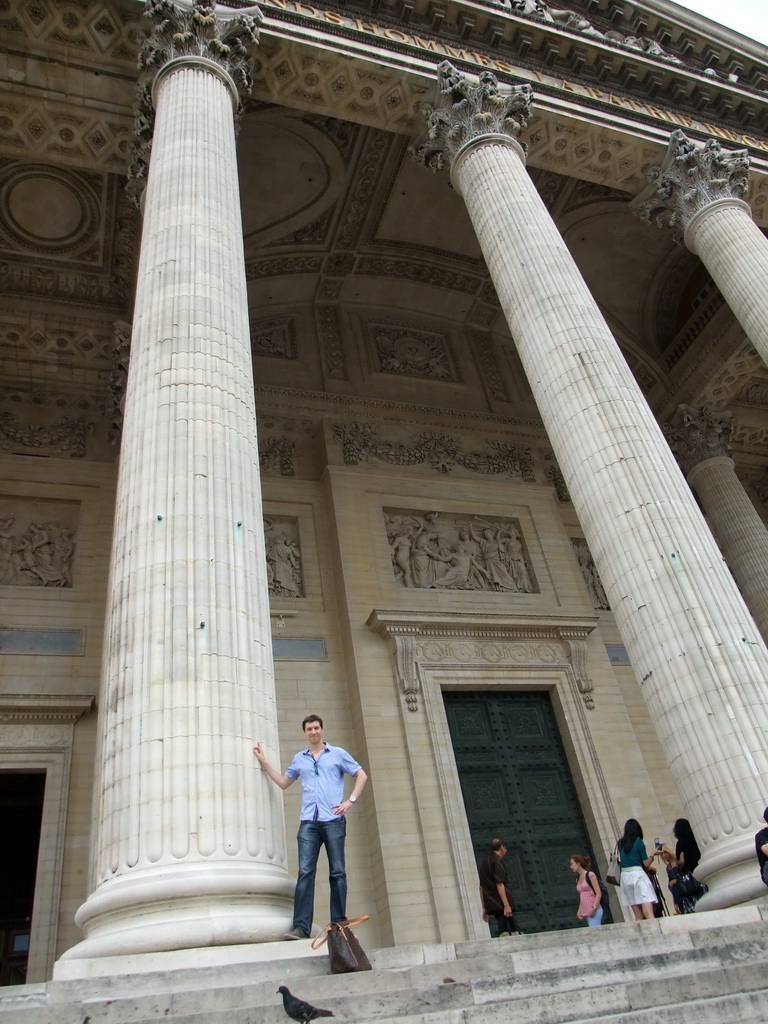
517	786
21	809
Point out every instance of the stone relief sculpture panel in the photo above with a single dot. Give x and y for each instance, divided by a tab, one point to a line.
438	551
37	542
285	575
590	575
275	338
410	350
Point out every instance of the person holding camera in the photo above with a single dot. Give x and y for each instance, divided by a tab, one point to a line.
680	867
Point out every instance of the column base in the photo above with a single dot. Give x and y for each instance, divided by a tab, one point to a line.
185	906
182	960
731	872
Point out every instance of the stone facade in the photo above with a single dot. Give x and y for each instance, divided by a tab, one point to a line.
416	428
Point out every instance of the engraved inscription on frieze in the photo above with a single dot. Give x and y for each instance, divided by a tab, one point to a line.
285	576
443	551
37	541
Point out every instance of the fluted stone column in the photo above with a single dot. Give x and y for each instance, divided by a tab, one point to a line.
698	190
701	444
188	841
696	651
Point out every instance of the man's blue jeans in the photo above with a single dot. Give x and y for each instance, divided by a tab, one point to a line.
312	835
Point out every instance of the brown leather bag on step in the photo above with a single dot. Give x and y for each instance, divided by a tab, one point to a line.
345	954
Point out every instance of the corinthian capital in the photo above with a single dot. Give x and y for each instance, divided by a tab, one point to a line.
196	30
193	31
689	179
695	436
466	110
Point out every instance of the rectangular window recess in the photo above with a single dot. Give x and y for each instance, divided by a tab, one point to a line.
617	654
42	641
298	648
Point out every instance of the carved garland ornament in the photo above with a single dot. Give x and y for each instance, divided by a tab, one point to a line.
67	437
361	443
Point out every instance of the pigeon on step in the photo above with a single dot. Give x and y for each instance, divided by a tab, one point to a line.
298	1009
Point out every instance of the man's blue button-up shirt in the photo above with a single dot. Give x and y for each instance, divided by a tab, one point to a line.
322	780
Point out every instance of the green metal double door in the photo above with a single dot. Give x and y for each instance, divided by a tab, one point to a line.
517	786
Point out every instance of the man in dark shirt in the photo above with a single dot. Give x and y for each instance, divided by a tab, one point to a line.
496	894
761	848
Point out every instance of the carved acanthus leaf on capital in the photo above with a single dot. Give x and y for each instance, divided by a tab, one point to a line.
695	436
689	179
188	31
467	110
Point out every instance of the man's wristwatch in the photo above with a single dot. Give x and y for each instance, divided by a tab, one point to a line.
353	799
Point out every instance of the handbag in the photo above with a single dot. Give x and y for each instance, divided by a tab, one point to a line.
345	954
613	874
689	887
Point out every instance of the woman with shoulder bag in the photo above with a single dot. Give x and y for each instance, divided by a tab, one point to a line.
588	888
636	887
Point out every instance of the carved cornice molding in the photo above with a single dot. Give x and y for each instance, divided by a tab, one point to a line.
118	377
69	339
731	380
358	203
329	333
422	271
689	180
418	639
280	266
45	707
352	407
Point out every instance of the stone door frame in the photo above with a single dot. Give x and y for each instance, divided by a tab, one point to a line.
433	654
36	735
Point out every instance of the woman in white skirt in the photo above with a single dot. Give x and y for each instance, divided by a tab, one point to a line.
636	887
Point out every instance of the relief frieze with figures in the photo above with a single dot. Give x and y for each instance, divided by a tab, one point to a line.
285	574
37	541
442	551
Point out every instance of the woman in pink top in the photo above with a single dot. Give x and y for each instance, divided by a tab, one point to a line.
588	889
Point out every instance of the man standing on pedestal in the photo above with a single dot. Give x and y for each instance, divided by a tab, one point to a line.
321	769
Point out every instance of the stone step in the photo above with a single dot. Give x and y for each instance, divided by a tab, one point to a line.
601	990
732	994
746	1008
502	971
582	975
